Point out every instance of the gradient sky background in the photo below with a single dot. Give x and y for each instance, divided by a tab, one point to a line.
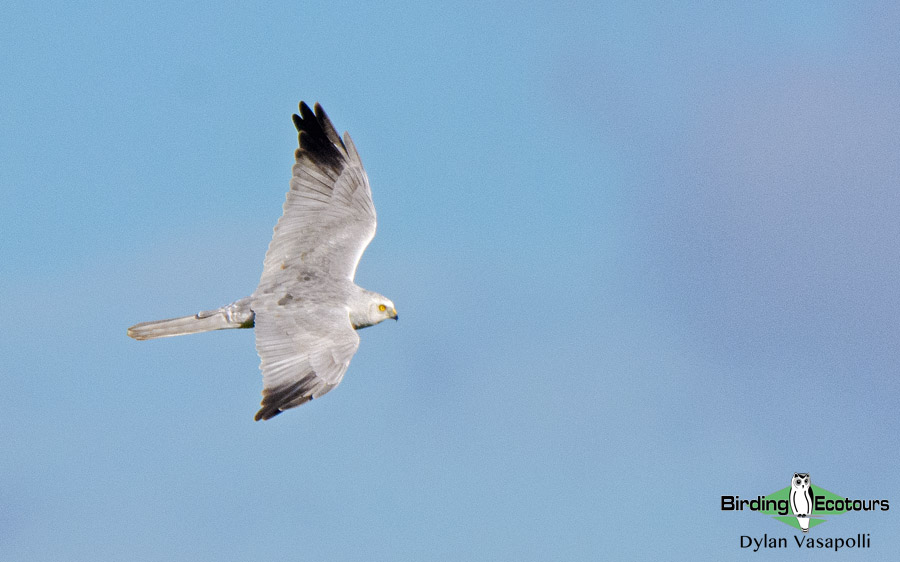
645	256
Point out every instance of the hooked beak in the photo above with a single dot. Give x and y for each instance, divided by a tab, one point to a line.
395	316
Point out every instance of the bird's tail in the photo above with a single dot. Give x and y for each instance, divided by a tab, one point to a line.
236	315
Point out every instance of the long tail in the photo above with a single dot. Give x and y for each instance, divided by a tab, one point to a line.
236	315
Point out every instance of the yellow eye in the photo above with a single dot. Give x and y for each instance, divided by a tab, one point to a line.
382	308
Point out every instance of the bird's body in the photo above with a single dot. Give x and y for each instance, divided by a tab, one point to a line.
306	308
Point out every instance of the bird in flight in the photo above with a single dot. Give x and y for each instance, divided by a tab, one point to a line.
306	309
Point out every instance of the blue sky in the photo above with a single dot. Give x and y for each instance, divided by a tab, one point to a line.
645	256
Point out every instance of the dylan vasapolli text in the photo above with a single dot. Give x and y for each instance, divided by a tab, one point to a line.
836	543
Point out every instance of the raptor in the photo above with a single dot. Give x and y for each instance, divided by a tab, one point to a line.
306	309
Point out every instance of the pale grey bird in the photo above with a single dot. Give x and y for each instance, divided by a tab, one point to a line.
306	309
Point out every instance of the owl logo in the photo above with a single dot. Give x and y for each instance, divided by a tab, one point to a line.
801	500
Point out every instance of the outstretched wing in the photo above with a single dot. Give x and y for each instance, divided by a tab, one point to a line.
304	351
329	217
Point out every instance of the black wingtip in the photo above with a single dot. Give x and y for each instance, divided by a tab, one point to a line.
305	111
318	138
276	400
266	414
320	113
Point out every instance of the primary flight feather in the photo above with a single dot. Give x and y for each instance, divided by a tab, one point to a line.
306	308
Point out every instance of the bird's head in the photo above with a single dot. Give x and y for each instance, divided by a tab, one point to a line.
371	309
381	309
